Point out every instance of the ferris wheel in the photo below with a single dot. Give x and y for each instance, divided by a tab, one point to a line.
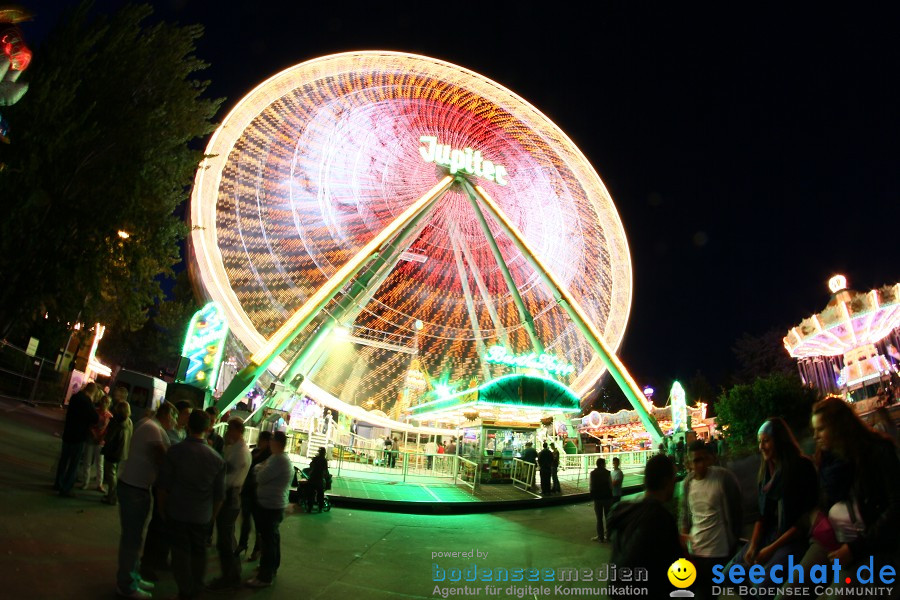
404	201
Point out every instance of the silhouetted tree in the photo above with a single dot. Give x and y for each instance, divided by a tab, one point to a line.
101	147
762	355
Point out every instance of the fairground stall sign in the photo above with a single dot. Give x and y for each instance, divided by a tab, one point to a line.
204	344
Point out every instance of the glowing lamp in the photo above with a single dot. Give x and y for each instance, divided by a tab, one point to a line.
837	283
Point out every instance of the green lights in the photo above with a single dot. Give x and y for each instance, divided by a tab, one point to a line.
522	392
204	344
499	355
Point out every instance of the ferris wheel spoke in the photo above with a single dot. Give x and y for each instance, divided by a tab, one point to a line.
470	303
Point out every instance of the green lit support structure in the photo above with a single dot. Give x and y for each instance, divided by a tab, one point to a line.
286	334
576	313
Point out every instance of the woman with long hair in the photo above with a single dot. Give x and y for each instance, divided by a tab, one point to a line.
787	491
865	514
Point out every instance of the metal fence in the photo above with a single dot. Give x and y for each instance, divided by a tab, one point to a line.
29	378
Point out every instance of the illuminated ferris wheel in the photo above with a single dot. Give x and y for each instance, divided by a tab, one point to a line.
365	214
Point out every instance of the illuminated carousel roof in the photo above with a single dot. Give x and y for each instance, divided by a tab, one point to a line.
509	399
319	159
851	319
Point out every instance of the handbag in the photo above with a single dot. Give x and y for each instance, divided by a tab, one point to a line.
823	533
846	520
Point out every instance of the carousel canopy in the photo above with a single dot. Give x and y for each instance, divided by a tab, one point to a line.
851	319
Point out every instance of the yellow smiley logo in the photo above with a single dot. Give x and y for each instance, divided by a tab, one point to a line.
682	573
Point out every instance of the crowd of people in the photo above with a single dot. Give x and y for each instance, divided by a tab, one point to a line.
842	503
173	469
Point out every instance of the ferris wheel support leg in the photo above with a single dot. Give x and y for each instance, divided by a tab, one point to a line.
282	338
524	315
362	290
576	313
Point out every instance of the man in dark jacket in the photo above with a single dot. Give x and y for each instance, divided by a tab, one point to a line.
79	418
644	533
248	494
601	494
545	462
318	467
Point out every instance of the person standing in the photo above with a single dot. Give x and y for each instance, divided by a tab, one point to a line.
80	416
388	446
273	481
555	488
644	533
248	494
116	443
711	515
212	438
354	431
136	476
191	490
237	464
430	450
617	477
318	469
179	432
545	462
93	447
601	494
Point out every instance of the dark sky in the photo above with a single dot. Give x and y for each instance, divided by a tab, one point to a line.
751	153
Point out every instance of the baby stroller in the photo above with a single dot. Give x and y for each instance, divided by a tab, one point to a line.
301	480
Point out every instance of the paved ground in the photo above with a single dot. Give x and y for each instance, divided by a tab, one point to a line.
66	548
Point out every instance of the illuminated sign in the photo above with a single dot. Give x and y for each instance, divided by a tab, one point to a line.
465	160
204	344
498	355
679	407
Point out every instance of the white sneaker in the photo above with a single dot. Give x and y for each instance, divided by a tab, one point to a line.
145	585
137	594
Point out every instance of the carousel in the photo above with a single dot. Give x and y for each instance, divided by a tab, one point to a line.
850	348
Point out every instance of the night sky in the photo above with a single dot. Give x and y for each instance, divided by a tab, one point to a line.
751	153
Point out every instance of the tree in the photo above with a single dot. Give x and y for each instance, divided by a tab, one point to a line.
102	148
744	407
762	355
157	345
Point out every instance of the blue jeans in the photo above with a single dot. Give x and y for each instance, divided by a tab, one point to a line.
267	523
134	507
67	470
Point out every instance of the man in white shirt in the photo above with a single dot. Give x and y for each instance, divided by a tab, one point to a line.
273	483
430	451
711	515
237	465
136	476
617	477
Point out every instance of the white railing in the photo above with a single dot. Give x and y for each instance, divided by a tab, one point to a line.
575	467
467	472
407	465
523	473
